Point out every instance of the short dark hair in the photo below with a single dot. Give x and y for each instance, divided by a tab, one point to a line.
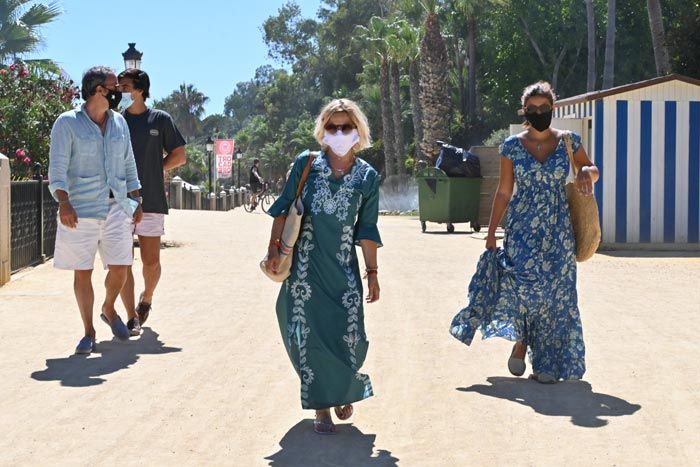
95	76
256	161
140	78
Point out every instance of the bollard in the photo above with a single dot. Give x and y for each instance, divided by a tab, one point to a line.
176	188
232	198
5	219
222	195
197	198
212	202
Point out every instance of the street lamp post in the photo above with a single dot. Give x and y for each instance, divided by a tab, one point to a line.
132	57
239	155
210	149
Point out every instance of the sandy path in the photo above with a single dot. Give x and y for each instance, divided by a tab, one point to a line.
210	384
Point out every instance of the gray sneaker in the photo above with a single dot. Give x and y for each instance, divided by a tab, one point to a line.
133	326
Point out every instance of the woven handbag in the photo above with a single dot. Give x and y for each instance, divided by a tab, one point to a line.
584	213
290	233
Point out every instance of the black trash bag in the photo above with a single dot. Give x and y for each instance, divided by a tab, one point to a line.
458	162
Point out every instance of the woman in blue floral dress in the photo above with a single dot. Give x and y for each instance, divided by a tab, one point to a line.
319	307
526	290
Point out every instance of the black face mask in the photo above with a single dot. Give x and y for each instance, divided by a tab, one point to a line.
113	98
539	122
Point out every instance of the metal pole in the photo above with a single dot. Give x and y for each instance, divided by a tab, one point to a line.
209	159
238	158
39	211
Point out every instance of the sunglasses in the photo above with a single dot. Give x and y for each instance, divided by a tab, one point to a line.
538	109
346	128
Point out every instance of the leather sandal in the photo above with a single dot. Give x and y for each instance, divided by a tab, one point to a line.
324	428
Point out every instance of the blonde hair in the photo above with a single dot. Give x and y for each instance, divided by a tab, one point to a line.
357	117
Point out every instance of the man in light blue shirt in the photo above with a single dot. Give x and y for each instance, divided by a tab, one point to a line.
92	175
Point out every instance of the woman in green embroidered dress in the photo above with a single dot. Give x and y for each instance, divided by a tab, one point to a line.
319	308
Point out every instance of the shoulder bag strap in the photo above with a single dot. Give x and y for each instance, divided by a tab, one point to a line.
304	175
570	152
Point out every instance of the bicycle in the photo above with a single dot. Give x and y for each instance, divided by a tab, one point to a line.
265	200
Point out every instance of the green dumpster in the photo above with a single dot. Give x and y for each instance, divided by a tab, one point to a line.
450	200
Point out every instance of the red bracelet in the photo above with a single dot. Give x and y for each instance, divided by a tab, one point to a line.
369	271
276	242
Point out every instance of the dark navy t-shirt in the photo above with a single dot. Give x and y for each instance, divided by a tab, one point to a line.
153	133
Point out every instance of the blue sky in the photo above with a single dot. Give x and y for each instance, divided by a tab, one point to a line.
212	44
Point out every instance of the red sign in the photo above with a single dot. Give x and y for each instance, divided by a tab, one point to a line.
224	157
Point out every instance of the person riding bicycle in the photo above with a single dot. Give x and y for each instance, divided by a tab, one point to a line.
256	182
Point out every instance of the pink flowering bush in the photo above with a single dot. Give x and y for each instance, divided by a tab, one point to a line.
29	104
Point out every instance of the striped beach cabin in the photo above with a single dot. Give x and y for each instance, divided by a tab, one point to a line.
645	139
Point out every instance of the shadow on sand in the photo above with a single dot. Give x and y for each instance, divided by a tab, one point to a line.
348	447
574	399
83	370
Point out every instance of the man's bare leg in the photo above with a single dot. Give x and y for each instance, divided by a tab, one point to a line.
127	294
150	257
114	282
85	296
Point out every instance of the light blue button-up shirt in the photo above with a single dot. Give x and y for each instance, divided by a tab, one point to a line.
87	164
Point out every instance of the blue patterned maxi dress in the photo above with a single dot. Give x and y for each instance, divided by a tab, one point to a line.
319	307
526	291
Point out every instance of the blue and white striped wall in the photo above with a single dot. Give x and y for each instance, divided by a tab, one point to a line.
648	152
579	110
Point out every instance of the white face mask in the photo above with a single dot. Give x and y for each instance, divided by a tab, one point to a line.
126	100
340	143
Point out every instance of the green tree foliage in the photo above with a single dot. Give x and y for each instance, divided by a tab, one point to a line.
369	51
20	25
186	106
30	101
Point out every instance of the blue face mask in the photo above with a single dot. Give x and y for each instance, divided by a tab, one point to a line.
127	100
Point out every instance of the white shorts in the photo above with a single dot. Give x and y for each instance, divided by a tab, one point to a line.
152	225
76	248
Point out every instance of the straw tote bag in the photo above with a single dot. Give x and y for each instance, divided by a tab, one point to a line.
290	233
584	213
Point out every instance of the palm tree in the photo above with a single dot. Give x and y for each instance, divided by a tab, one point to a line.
434	90
609	70
19	28
405	44
396	113
590	23
403	49
186	106
375	37
470	9
658	37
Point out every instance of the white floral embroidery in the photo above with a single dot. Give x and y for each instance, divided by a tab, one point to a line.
324	200
298	331
351	299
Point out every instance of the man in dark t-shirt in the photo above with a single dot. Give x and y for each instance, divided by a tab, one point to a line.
158	146
256	182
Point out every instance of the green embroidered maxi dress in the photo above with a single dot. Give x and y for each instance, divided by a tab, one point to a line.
319	307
